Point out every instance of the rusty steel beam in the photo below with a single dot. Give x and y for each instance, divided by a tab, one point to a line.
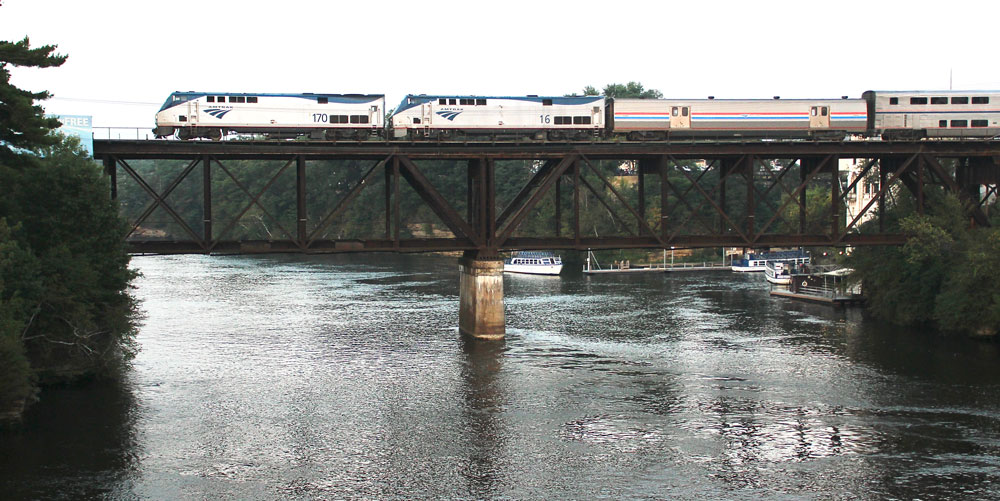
449	216
345	202
883	188
514	243
483	231
801	190
160	200
254	200
523	210
977	213
642	221
535	150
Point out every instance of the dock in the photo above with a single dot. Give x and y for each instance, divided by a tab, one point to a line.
827	299
659	268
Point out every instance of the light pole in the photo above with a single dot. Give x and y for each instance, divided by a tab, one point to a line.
671	256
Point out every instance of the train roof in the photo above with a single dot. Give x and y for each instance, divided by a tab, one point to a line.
937	92
412	100
733	99
178	97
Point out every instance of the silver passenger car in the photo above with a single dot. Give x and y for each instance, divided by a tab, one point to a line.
661	118
948	113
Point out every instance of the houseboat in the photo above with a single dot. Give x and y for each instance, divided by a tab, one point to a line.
822	284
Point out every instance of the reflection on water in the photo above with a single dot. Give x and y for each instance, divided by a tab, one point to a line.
345	377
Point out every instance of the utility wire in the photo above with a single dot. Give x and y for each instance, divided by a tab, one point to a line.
103	101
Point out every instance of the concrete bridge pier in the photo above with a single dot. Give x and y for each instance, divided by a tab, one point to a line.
481	313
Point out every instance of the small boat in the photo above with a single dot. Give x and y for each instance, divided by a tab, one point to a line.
777	272
758	261
533	263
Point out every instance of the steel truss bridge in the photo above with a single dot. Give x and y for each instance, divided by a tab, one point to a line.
727	198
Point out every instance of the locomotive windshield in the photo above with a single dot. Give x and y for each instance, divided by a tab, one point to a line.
179	97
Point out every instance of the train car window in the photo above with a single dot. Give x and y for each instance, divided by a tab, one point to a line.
939	100
364	119
980	123
251	99
684	111
825	111
959	100
546	102
221	99
182	118
812	111
232	99
893	100
674	111
322	100
981	100
959	123
480	102
451	101
416	120
210	99
442	101
581	120
918	100
241	99
942	123
343	119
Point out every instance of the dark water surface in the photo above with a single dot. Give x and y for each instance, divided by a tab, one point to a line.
345	377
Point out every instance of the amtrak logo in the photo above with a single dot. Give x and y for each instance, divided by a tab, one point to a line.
217	112
450	115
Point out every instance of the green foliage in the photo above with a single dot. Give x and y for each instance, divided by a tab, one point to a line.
817	211
16	267
82	317
970	295
65	310
23	124
631	90
946	275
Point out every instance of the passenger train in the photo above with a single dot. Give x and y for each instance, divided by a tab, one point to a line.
886	114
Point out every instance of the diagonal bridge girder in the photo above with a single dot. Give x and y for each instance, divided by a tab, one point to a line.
483	230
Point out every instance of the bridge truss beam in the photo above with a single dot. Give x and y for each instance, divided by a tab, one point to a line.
709	194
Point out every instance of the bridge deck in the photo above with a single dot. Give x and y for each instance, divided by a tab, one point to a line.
536	150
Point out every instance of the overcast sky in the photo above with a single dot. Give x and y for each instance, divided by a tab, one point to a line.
126	56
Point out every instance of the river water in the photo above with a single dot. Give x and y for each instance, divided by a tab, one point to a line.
338	377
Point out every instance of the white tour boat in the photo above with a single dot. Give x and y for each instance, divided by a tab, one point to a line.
533	263
758	261
778	272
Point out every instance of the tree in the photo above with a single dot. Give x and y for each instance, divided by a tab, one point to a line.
65	308
630	90
945	276
16	267
23	124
